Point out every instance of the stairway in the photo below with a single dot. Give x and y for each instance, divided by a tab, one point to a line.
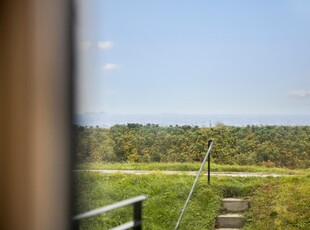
231	217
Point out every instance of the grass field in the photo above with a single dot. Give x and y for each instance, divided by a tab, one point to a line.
166	197
284	203
190	167
276	203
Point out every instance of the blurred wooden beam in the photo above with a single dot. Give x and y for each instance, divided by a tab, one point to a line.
35	113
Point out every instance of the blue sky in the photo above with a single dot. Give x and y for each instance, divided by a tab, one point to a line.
193	57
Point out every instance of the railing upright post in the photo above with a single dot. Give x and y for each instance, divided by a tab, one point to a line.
75	225
137	215
209	162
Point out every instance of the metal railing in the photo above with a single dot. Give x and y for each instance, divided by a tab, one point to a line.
136	224
207	157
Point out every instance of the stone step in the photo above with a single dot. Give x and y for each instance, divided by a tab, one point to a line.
230	220
235	205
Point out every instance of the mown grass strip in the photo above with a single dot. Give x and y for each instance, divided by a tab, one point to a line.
189	167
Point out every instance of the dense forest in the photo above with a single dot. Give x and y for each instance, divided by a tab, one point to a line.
271	146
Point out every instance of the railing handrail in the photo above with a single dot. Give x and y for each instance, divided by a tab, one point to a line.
136	201
207	157
109	207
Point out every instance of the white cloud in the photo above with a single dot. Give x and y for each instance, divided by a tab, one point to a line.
110	67
300	93
85	45
105	45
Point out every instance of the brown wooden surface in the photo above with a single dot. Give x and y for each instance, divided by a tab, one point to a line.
35	113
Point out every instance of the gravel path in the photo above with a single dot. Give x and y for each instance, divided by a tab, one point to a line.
192	173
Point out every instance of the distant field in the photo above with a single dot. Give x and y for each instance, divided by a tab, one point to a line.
189	167
276	203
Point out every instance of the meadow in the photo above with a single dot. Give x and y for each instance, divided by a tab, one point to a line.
276	203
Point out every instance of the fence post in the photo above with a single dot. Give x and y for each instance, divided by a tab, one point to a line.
75	225
209	163
137	215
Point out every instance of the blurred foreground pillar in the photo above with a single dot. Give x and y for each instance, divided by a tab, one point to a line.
35	114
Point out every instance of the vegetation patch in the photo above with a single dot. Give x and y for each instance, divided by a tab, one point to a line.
268	146
283	203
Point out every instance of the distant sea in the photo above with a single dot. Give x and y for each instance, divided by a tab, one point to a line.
108	120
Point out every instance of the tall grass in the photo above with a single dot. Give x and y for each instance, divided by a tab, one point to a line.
284	203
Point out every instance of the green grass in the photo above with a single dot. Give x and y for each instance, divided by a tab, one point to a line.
166	197
283	203
189	167
276	203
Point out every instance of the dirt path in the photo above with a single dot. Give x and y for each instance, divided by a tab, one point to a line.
192	173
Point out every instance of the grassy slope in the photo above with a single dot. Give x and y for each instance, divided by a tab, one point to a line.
283	203
166	197
188	167
276	203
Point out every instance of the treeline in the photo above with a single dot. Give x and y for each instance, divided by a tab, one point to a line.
272	146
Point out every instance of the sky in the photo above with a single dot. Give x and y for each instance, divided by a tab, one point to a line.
193	57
